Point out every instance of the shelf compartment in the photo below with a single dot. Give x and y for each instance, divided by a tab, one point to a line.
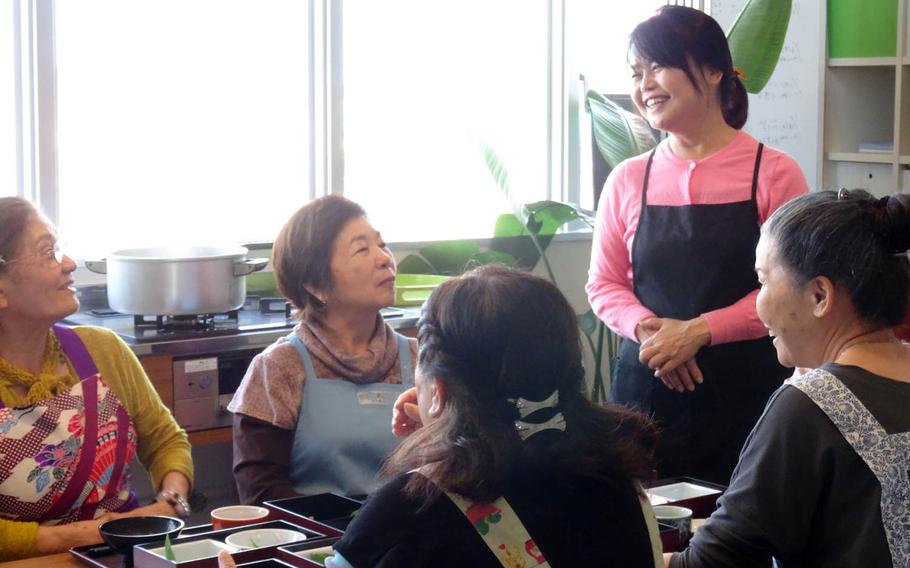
864	61
867	28
859	108
860	157
877	179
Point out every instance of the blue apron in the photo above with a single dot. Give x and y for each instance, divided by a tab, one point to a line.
344	429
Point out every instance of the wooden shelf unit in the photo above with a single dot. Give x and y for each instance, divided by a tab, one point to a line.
867	100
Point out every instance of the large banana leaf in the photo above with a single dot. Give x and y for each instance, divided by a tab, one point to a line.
756	39
619	133
542	220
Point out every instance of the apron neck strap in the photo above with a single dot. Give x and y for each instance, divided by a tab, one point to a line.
644	186
404	361
761	147
755	170
76	351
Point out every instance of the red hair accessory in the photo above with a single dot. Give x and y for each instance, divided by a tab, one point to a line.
739	73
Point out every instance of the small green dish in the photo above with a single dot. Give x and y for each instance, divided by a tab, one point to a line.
414	289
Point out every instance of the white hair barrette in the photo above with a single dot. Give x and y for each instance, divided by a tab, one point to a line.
526	407
528	429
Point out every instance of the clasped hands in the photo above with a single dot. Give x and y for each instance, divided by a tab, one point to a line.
669	346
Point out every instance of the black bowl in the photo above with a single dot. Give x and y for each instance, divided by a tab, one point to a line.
123	534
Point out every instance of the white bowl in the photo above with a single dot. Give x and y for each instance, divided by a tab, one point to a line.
195	550
315	553
260	538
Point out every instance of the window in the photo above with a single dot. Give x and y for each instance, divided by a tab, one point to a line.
425	83
8	113
162	121
180	121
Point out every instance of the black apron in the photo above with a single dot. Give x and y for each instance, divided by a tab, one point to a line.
688	260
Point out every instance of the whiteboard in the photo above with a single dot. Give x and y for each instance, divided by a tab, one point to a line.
786	114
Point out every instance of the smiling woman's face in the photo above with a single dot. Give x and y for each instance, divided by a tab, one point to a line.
362	269
35	286
665	96
785	308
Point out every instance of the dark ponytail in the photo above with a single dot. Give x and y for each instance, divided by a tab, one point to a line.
678	35
734	100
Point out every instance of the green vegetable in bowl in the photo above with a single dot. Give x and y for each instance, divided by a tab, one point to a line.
319	557
168	551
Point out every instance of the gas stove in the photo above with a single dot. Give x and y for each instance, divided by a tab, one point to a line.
258	314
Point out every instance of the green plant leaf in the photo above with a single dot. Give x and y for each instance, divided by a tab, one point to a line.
416	264
508	225
450	257
491	257
756	39
511	237
587	322
168	551
619	134
501	177
545	218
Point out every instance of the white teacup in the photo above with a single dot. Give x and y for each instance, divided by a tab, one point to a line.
679	517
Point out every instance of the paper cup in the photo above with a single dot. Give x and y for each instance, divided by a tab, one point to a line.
679	517
237	515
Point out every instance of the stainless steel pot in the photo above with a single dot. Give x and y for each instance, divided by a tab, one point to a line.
176	280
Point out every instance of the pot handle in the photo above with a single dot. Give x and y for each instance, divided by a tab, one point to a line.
97	266
249	266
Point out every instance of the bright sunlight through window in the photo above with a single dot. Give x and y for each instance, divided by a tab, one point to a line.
180	122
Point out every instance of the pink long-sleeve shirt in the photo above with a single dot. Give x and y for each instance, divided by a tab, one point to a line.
722	177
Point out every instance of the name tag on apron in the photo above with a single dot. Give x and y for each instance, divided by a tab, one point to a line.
373	398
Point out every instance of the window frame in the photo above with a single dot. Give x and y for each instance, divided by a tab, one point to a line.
36	102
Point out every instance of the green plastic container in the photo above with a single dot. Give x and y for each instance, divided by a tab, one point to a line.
414	289
862	28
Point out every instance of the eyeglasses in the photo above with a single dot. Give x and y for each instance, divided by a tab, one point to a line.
49	257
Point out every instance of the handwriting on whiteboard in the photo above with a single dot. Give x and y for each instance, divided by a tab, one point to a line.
786	113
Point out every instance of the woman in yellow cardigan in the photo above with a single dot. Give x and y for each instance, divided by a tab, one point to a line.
75	406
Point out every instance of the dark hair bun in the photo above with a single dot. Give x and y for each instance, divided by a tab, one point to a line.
896	222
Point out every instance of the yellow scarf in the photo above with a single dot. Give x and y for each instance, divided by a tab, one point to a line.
51	381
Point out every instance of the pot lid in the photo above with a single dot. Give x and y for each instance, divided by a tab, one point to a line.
178	253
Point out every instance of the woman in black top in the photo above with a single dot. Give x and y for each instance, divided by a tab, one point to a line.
503	436
822	480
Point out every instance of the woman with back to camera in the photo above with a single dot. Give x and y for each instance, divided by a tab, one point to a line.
508	463
674	246
311	414
823	479
75	406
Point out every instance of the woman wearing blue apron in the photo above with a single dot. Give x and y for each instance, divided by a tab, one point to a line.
312	413
672	267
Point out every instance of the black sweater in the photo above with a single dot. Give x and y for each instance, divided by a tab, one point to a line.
800	492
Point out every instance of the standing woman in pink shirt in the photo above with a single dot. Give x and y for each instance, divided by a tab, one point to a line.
672	267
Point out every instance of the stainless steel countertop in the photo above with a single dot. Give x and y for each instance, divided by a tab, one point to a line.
212	344
238	341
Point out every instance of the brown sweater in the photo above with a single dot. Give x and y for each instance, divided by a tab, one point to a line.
267	402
